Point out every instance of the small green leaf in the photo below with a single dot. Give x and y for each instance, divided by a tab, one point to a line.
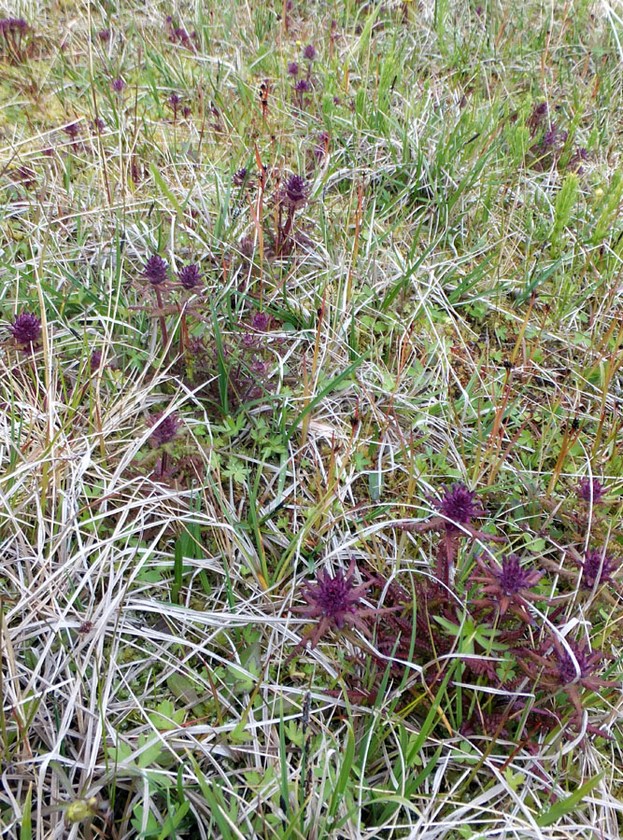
565	806
166	717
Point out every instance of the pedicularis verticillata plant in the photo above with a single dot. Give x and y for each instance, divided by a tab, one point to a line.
502	600
335	601
26	329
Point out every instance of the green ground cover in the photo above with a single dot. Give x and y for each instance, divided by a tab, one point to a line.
310	409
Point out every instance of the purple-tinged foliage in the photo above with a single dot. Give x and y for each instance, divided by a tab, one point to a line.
189	276
247	247
577	159
591	491
321	148
578	668
554	137
24	175
548	149
26	329
164	429
295	192
537	117
567	668
259	368
156	270
597	568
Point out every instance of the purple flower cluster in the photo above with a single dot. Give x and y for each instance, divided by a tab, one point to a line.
174	102
26	329
301	87
335	602
260	321
597	567
506	587
95	362
72	130
180	35
164	429
591	491
309	53
240	176
295	192
459	505
580	670
156	270
551	141
189	276
13	25
537	117
513	578
14	39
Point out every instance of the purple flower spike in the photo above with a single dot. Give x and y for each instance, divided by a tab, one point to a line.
26	329
295	192
513	578
189	276
302	86
155	270
118	85
96	360
506	587
72	130
459	505
13	25
260	321
239	177
591	490
335	602
293	68
164	429
596	568
309	53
